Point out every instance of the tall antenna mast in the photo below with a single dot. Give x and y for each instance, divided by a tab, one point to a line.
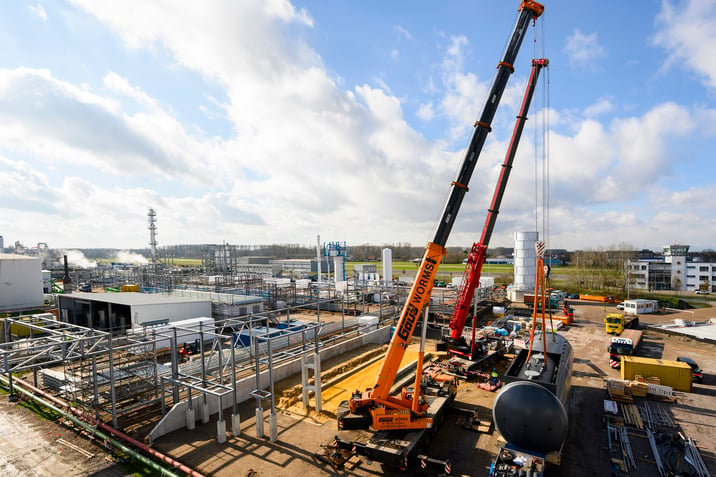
152	216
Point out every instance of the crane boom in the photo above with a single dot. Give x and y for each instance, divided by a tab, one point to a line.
377	402
477	255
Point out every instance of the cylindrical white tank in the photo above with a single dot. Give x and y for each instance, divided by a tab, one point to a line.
525	260
339	269
387	265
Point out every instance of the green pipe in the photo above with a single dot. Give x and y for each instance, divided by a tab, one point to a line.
150	463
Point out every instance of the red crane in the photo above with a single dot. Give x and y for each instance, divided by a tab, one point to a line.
457	344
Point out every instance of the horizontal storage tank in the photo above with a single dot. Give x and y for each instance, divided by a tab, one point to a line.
530	411
670	373
367	321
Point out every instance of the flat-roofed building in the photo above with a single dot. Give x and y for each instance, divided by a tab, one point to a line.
119	312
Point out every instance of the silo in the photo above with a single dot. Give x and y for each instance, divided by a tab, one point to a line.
387	265
339	268
525	260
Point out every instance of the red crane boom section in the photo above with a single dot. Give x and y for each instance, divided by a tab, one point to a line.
478	253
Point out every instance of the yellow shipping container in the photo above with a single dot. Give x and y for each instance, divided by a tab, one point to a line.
129	288
671	373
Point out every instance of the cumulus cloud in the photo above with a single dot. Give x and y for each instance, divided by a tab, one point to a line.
583	49
603	106
39	11
426	112
305	153
687	33
56	121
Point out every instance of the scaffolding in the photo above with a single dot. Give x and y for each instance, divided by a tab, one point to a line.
117	381
130	377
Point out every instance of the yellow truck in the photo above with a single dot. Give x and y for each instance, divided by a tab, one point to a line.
616	323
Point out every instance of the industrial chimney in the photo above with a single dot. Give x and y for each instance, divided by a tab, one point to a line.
66	280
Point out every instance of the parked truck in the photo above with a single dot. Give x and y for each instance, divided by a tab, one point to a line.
559	295
627	344
529	300
616	323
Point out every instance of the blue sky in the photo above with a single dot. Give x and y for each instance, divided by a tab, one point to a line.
270	121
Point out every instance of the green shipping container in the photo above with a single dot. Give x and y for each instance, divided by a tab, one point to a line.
671	373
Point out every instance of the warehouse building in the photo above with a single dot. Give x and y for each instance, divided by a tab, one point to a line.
20	283
119	312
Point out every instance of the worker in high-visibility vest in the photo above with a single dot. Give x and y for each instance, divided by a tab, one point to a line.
495	376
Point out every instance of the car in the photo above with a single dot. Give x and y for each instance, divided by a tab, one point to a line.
696	374
702	292
620	306
573	296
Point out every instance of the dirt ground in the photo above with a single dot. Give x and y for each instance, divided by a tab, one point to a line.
30	446
299	437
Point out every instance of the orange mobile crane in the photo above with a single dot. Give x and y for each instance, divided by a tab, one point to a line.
456	343
414	412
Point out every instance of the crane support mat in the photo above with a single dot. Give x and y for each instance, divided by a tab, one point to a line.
396	448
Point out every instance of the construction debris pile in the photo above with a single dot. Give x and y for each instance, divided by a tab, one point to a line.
673	454
679	455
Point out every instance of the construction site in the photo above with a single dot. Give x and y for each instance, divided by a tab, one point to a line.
231	369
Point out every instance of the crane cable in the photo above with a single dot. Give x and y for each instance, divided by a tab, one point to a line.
546	203
541	178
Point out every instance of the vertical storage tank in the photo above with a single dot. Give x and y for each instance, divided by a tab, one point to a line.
387	265
525	260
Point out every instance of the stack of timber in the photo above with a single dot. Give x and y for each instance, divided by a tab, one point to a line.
632	416
618	390
638	389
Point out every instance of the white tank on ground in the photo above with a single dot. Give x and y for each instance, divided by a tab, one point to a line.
525	260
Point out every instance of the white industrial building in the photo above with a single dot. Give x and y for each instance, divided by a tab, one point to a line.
119	312
20	283
675	272
303	266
